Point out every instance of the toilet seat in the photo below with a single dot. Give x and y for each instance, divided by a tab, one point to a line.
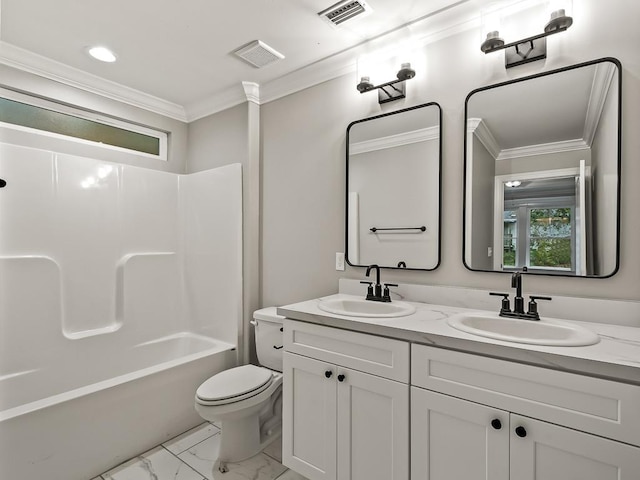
234	385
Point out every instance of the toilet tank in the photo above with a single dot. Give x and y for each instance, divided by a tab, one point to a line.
268	337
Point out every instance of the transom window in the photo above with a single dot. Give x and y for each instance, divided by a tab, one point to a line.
24	112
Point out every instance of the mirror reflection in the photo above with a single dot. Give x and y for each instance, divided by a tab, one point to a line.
393	189
542	162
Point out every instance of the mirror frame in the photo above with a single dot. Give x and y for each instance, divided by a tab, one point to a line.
346	198
617	63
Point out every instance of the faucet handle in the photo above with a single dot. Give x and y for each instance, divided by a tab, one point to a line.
536	297
369	289
533	306
386	296
506	306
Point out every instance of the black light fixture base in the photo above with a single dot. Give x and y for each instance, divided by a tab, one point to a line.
391	92
528	51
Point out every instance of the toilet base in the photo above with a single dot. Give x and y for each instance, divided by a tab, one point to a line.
248	426
240	468
241	439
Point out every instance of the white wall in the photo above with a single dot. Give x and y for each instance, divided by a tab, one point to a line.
303	188
303	161
218	140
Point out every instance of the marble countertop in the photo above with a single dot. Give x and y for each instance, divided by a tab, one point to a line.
616	356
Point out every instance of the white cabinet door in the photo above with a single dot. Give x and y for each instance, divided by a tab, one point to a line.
453	439
373	427
309	417
542	451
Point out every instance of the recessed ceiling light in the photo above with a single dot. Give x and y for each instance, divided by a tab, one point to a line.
103	54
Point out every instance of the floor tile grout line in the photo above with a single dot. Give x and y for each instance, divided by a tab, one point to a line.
197	426
204	477
197	443
188	465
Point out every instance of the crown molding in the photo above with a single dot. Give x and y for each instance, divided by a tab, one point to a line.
229	98
460	17
391	141
543	149
477	127
30	62
252	92
429	30
602	80
442	24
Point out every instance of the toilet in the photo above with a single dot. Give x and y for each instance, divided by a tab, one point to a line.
246	401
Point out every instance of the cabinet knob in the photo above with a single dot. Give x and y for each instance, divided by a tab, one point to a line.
496	423
328	373
341	378
521	432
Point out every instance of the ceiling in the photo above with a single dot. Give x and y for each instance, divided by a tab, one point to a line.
181	51
546	110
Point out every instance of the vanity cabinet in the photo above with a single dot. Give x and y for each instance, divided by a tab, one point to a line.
345	404
453	439
499	420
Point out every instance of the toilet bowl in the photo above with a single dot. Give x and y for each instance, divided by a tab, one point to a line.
247	400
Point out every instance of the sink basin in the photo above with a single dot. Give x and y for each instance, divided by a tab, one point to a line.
543	332
355	307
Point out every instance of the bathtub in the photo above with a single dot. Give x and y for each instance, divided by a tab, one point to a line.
120	292
77	419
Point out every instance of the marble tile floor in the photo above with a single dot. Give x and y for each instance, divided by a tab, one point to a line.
191	456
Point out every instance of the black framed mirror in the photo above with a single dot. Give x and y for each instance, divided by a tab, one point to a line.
393	189
542	173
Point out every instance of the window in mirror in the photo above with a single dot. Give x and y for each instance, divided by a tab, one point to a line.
393	189
542	173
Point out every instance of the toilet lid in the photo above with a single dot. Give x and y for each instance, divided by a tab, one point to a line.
234	384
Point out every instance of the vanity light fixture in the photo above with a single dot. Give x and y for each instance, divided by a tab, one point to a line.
528	49
513	183
389	91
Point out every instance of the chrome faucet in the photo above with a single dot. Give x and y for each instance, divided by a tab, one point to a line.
374	292
518	301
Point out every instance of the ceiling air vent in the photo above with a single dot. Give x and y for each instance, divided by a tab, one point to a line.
345	10
258	54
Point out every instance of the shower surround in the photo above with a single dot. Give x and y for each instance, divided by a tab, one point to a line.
120	291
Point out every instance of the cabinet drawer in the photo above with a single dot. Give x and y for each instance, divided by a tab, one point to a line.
603	407
368	353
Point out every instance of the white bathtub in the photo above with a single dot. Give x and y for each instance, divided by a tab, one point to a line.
74	421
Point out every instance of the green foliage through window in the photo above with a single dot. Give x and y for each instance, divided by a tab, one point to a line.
550	237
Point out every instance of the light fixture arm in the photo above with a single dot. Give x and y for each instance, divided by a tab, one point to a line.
383	85
529	40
